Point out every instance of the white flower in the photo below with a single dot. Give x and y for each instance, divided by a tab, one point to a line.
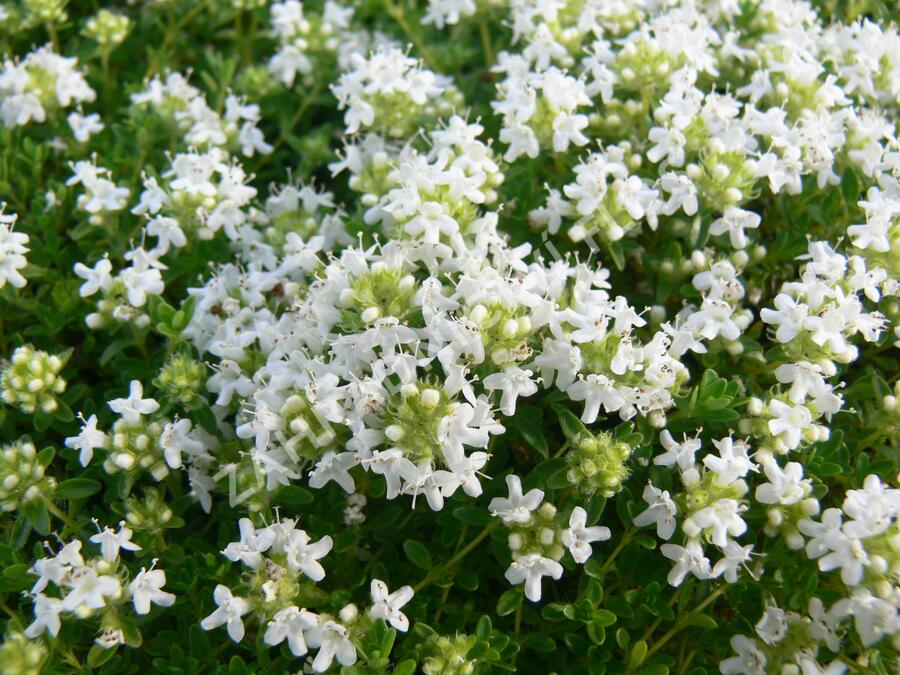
733	461
733	222
147	588
333	641
252	545
110	542
785	486
677	453
688	559
873	617
90	590
847	554
394	467
387	605
788	422
135	406
873	508
661	511
772	626
513	382
789	317
84	126
303	556
578	538
824	625
46	616
530	569
229	612
334	467
97	278
721	519
735	556
13	247
290	623
682	194
168	233
748	660
517	508
89	439
175	439
596	391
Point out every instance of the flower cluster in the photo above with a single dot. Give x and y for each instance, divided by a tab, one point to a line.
33	89
537	540
283	572
184	106
98	587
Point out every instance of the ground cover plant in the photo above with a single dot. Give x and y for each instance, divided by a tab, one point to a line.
458	336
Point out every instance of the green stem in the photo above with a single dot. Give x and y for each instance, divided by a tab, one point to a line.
623	542
304	106
489	58
251	37
517	626
558	453
395	11
659	619
104	61
13	614
54	38
172	33
239	31
683	622
62	515
434	574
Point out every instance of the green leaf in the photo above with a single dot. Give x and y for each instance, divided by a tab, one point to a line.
539	642
15	571
596	633
638	654
38	516
97	656
572	427
623	639
293	495
559	480
237	666
702	621
472	515
407	667
593	569
417	553
510	601
483	628
130	632
529	423
46	456
604	617
850	186
77	488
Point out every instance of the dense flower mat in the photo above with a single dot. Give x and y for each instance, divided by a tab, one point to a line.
460	336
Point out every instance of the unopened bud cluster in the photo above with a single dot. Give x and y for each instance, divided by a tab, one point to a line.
21	656
22	477
107	28
31	380
181	378
450	655
598	464
149	513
